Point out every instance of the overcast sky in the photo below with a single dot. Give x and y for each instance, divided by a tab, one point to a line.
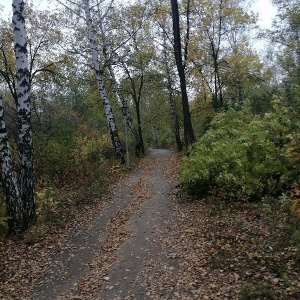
263	7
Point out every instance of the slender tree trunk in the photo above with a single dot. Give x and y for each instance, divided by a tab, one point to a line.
11	191
216	102
27	184
140	149
100	83
189	137
122	100
171	96
174	117
138	115
117	88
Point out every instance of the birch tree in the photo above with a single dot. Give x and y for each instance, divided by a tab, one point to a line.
116	85
19	191
100	83
27	184
10	184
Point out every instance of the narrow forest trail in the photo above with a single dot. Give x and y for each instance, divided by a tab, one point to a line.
108	258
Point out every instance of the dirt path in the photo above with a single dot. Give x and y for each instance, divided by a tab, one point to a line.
140	243
109	258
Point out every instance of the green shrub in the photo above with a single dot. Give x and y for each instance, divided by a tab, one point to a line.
239	154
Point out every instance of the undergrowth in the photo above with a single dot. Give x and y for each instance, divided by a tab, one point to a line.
246	156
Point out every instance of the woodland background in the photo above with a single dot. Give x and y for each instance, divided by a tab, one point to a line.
244	105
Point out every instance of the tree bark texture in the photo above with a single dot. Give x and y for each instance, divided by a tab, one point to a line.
100	83
11	191
27	184
189	137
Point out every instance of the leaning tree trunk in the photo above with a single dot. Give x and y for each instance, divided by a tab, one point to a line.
189	137
100	83
122	100
120	97
11	191
115	83
27	184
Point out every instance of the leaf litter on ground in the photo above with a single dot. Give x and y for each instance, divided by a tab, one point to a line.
211	250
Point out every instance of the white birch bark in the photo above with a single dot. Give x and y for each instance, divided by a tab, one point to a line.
117	86
27	185
9	179
100	83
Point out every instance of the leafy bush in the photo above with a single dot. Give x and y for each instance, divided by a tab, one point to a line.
241	153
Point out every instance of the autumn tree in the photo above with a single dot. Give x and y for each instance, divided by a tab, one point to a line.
45	63
110	58
100	83
218	48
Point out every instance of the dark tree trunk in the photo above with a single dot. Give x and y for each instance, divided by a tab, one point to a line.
141	149
189	137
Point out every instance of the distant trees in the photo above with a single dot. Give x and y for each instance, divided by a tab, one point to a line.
286	34
133	58
220	52
90	58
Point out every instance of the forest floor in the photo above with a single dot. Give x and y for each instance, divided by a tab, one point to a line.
144	240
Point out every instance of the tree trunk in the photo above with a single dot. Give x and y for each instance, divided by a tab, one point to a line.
11	191
141	150
27	184
122	100
100	83
189	137
117	88
171	96
126	113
